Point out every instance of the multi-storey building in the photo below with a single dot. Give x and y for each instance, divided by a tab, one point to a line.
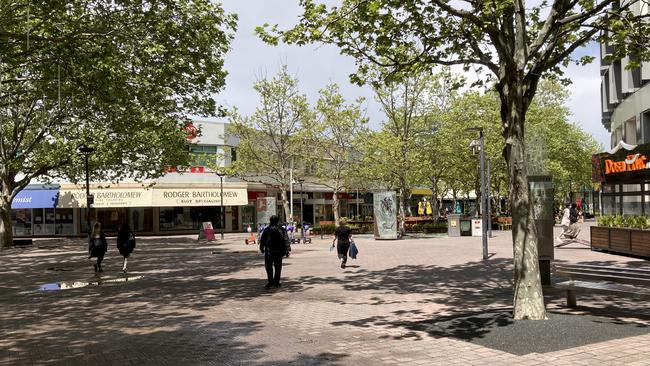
625	94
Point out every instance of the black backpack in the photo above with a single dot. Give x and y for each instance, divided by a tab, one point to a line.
275	239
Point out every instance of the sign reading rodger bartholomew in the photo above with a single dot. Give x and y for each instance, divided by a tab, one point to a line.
385	207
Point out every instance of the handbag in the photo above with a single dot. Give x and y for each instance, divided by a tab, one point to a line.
131	240
353	250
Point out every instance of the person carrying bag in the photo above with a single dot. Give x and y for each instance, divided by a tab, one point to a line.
125	243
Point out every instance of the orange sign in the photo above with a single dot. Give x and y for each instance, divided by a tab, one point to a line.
631	163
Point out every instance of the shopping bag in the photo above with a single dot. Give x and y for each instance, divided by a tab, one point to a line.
353	250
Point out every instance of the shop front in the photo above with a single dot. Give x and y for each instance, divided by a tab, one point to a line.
161	209
623	174
34	212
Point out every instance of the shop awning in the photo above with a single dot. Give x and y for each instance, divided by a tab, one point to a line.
35	198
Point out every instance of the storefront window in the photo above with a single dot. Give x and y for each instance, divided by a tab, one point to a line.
44	221
611	205
64	221
188	218
111	218
631	187
632	205
248	217
646	205
141	219
609	188
21	221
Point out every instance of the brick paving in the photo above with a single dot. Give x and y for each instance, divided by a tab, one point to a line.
204	304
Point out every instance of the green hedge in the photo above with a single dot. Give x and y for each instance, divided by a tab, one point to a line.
429	227
356	229
634	222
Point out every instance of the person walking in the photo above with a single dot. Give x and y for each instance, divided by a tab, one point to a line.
274	243
565	222
125	243
342	237
97	246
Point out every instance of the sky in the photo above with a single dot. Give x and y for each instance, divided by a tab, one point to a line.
315	66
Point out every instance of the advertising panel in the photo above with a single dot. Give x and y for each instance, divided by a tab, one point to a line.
265	207
385	207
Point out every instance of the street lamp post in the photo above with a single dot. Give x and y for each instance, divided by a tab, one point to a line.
86	151
302	221
488	194
358	214
484	220
221	212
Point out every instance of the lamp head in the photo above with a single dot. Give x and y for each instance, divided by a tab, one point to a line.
85	150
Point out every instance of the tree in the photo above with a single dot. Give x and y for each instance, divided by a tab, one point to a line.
334	137
274	137
119	76
404	99
517	43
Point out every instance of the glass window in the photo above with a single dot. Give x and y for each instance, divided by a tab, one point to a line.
188	218
610	205
632	205
608	188
21	221
38	221
631	187
64	221
141	219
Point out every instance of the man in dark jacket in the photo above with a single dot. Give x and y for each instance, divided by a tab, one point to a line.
273	243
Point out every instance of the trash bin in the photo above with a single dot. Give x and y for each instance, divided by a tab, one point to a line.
477	227
465	227
453	225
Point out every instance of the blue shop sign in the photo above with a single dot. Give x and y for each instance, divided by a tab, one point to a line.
36	198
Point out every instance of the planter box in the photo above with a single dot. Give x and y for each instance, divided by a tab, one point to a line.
621	240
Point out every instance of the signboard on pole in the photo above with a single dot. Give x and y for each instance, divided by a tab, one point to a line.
385	207
207	230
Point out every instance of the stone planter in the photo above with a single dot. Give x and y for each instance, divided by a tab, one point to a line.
621	240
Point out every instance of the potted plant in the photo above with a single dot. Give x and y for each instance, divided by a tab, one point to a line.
622	234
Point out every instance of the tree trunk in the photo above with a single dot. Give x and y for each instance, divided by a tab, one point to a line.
528	302
6	233
285	205
335	208
402	212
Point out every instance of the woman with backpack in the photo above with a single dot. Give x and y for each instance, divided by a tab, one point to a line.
97	246
125	243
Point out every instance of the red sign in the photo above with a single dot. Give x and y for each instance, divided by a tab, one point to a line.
191	132
632	162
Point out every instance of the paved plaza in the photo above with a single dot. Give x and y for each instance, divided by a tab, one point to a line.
401	302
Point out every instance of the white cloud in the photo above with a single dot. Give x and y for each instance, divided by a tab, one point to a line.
315	66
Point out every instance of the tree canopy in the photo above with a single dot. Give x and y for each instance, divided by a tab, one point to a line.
516	43
118	76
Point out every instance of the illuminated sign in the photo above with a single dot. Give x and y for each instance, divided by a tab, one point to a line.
631	163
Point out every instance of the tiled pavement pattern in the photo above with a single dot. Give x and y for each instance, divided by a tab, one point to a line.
203	304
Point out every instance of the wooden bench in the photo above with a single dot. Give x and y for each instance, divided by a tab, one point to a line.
629	282
505	223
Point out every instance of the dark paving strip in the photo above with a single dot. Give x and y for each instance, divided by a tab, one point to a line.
560	331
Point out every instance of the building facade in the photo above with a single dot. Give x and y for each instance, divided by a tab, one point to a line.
625	94
176	203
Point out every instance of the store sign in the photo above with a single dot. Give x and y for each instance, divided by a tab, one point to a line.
169	197
73	198
631	163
